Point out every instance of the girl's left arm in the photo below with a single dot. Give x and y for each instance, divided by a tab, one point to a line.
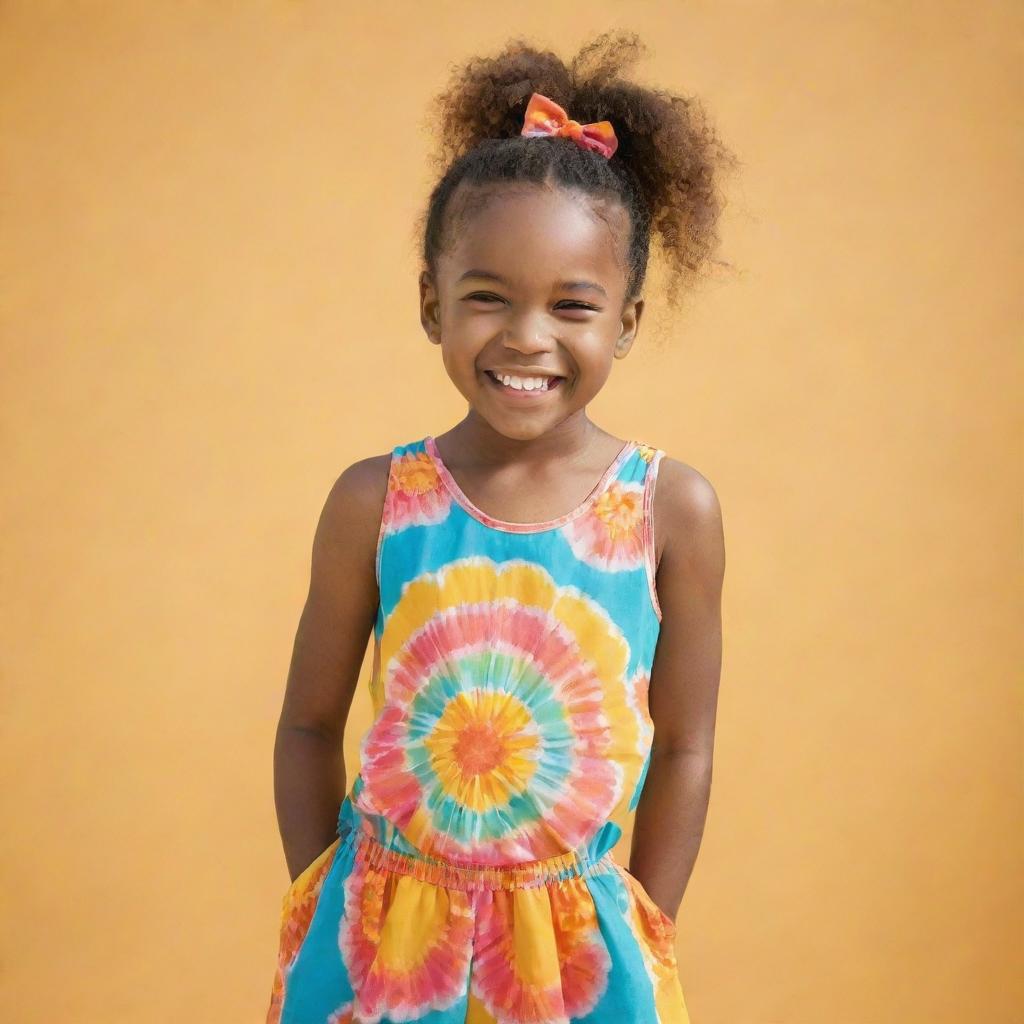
683	694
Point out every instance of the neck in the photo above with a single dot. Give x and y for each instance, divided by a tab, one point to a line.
572	439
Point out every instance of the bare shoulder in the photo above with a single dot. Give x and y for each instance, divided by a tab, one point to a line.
687	515
357	496
345	543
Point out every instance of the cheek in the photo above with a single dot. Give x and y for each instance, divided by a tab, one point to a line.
464	336
459	360
594	361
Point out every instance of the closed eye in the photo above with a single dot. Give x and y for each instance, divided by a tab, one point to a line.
486	297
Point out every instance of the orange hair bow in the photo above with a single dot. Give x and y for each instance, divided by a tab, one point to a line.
545	117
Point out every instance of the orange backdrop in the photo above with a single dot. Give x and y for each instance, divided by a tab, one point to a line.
209	309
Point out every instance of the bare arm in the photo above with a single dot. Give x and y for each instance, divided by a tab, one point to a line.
330	643
670	816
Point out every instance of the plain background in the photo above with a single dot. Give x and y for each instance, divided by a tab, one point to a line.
209	309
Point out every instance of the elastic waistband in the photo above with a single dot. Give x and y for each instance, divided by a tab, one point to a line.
373	854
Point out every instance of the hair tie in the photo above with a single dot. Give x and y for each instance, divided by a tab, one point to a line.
545	117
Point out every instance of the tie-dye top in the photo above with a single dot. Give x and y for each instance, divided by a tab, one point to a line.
511	664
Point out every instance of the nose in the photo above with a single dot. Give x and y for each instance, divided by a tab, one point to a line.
529	333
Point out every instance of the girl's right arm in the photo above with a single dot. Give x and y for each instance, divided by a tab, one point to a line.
330	644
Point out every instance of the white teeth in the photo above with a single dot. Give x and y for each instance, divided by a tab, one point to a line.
525	383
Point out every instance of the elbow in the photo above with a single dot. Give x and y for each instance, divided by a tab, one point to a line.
311	730
699	761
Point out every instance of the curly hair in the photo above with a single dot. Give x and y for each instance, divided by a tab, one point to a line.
665	171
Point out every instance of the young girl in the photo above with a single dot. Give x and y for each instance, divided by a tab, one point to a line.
545	620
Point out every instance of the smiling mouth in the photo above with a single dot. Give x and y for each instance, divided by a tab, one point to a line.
550	384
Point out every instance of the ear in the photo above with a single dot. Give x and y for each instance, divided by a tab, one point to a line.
430	307
630	325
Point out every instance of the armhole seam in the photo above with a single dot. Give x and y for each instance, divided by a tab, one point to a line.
384	518
650	554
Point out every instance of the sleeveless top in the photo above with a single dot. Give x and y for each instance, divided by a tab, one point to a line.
511	664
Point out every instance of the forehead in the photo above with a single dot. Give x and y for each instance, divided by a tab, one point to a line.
536	232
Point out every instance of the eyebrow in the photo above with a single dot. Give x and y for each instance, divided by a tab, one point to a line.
569	286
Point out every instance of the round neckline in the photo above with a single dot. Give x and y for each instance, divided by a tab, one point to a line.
503	524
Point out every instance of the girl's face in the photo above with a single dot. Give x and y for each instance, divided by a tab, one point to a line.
532	285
